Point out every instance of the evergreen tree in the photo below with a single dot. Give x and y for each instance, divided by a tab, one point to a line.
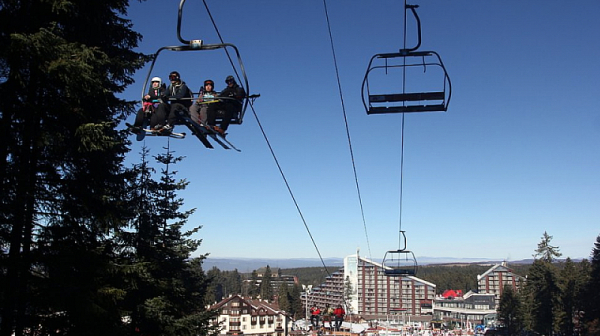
61	179
253	288
233	283
510	311
266	292
166	288
296	307
545	251
591	312
348	294
543	291
215	291
284	298
571	287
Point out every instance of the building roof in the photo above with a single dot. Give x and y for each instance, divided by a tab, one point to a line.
497	268
452	293
259	307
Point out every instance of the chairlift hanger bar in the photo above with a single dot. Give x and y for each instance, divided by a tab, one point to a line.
414	11
432	101
198	45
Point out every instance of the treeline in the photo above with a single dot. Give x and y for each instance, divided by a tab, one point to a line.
227	283
557	298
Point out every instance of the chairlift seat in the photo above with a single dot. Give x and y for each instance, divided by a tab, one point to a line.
399	263
400	272
403	98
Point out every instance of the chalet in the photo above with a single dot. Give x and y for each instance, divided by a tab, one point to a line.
241	316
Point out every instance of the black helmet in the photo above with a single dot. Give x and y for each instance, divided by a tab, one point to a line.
229	79
174	75
209	81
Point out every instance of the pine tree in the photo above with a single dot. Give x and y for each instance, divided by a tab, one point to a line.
348	294
543	290
61	177
510	311
167	288
233	282
591	314
215	291
296	306
253	289
545	251
571	285
266	292
284	298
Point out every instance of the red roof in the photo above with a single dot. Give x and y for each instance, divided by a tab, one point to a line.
452	293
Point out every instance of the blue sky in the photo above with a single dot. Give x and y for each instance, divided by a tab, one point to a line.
515	155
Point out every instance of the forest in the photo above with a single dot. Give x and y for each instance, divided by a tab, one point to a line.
90	245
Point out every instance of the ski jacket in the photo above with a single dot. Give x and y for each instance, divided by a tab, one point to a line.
206	96
236	92
339	312
155	94
178	93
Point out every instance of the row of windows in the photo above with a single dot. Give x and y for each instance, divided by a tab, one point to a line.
269	320
233	312
245	327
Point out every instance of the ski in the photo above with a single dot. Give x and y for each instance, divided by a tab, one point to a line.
174	135
213	135
201	131
151	132
227	141
142	135
187	121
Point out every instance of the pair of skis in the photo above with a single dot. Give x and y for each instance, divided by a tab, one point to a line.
142	131
202	132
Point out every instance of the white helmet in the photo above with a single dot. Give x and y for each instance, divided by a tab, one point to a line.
157	79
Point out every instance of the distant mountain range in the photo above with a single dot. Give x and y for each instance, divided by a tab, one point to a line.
247	265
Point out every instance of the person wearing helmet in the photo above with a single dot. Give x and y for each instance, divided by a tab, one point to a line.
199	110
229	107
178	98
150	102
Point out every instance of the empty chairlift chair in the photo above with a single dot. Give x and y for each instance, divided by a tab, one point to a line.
400	262
406	81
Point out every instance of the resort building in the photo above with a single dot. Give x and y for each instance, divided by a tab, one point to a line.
469	310
374	295
240	316
496	278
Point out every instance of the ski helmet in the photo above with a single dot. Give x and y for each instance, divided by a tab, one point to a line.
157	79
209	81
229	79
174	75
